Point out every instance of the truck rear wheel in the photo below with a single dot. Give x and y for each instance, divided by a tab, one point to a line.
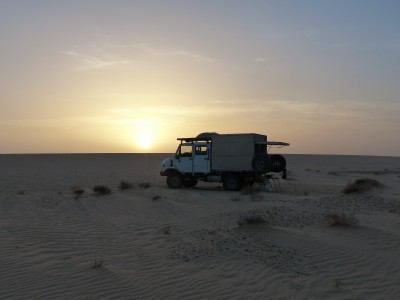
174	180
231	182
261	163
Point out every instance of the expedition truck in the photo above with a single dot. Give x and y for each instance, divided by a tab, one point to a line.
233	159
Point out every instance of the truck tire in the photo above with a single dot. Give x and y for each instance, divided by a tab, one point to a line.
231	182
278	163
261	163
174	180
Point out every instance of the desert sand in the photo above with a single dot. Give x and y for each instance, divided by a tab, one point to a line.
151	242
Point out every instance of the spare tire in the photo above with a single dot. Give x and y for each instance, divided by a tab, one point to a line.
278	163
261	162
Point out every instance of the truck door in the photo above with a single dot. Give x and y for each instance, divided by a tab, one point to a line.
201	158
184	156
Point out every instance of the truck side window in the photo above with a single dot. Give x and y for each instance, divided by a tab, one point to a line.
201	150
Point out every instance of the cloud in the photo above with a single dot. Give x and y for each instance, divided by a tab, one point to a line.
110	55
168	53
87	62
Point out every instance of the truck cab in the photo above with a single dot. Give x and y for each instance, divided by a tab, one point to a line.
193	157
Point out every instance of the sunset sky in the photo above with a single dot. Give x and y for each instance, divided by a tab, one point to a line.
132	76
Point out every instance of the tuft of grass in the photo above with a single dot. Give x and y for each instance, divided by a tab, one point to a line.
251	220
96	264
124	185
101	190
337	283
346	220
77	191
361	185
253	191
156	197
144	185
166	230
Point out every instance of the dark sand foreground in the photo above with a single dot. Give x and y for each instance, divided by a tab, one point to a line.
156	243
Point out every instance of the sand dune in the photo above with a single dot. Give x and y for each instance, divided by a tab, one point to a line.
158	243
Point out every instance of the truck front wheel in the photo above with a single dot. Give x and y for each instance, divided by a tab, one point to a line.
231	182
174	180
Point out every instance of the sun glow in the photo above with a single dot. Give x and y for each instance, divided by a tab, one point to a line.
144	141
145	133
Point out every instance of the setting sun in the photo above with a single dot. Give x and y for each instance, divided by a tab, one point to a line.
144	141
144	133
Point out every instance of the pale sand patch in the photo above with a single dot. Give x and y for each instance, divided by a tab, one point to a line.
157	243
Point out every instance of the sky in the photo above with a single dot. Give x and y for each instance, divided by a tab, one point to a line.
97	76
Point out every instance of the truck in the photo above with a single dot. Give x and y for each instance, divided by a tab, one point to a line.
236	160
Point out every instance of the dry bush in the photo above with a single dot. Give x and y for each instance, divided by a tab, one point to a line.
96	264
124	185
361	185
251	220
156	197
253	191
346	220
235	198
166	230
337	283
144	185
101	190
78	191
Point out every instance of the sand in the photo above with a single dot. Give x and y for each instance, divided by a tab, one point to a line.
158	243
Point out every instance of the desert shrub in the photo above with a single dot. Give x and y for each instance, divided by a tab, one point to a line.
156	197
144	185
337	283
251	220
77	191
250	190
347	220
96	264
101	190
361	185
253	191
124	185
166	230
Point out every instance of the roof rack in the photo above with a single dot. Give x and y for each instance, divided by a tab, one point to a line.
271	143
203	139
